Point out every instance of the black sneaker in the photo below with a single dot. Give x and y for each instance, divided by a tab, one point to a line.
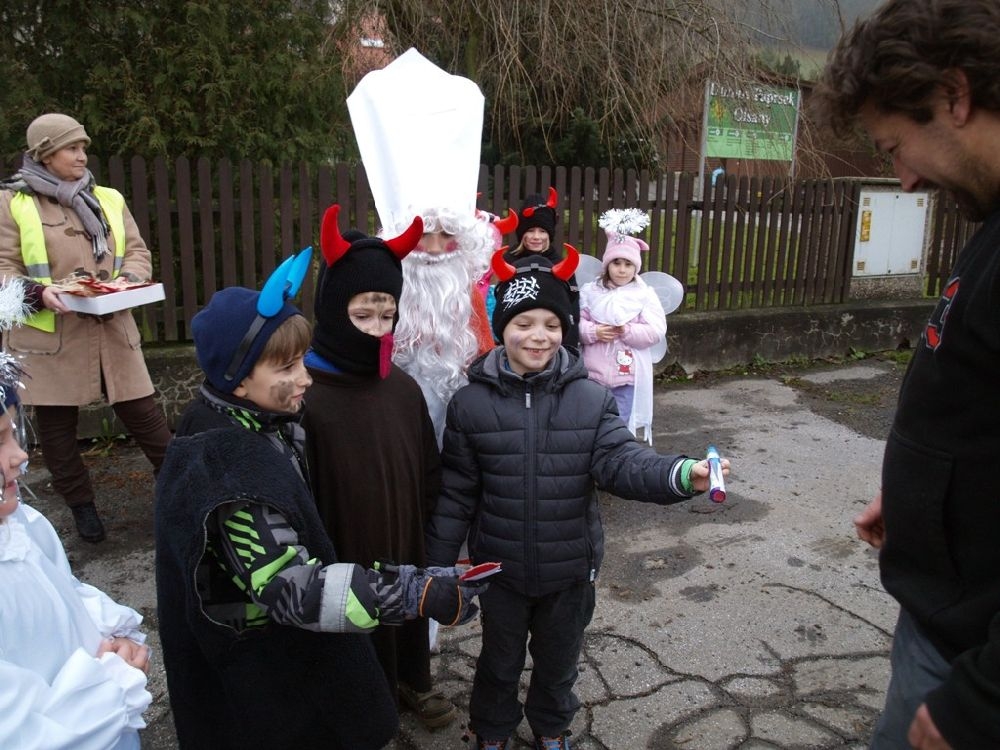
88	523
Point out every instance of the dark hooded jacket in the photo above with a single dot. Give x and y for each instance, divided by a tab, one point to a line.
273	686
940	502
523	457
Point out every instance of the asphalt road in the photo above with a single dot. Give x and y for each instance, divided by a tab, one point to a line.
757	623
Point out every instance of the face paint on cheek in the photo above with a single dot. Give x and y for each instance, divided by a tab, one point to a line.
451	246
516	339
282	392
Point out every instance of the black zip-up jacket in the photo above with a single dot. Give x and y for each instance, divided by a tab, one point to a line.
941	498
521	462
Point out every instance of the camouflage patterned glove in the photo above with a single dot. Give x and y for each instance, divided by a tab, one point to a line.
386	584
407	592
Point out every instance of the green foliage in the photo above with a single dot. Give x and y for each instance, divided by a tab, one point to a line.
105	443
168	77
899	356
856	354
579	143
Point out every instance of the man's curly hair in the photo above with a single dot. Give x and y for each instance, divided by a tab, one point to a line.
903	53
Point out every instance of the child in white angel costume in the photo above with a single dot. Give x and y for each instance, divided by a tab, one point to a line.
72	662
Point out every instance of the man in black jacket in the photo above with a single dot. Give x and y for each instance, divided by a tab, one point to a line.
922	78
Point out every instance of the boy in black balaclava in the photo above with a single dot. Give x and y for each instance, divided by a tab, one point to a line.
370	444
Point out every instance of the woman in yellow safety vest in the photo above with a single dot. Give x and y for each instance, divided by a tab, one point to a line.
55	224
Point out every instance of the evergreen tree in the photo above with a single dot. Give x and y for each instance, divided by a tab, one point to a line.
198	77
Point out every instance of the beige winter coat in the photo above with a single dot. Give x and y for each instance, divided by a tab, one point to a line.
66	368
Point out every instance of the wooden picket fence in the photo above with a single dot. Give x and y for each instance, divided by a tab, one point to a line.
755	242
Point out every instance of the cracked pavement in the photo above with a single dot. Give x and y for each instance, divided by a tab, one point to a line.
756	623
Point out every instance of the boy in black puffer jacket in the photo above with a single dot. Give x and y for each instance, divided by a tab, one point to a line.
525	446
265	635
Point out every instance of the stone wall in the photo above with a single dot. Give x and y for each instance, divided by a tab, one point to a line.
719	340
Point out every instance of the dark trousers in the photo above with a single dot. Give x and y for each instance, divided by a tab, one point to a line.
555	624
917	669
57	425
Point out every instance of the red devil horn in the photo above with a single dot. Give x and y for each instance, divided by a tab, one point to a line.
567	266
508	225
404	243
553	200
331	241
503	270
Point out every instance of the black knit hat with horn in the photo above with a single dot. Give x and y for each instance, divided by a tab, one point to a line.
532	282
537	211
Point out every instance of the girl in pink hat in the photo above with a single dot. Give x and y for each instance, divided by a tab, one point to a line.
621	319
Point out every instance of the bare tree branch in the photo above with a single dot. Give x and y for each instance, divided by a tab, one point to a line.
631	69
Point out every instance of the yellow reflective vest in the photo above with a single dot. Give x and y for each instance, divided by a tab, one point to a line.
36	258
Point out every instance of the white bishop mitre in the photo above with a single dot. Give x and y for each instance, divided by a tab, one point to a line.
419	131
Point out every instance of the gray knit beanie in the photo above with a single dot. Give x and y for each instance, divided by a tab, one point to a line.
50	132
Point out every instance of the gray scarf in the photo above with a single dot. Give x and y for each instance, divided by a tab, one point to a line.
75	194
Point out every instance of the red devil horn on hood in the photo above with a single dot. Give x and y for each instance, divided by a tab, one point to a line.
567	266
331	242
334	246
508	225
404	243
552	202
503	270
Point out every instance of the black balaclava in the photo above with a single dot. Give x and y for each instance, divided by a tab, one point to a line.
354	264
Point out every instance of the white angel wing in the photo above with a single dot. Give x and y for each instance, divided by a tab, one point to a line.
668	289
589	269
671	294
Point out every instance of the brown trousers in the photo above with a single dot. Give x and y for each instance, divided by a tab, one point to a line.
56	427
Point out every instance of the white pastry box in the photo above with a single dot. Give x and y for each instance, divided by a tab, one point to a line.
110	302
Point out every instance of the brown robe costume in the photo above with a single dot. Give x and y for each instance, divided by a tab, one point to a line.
375	473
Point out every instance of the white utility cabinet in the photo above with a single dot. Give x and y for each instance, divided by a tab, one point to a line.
889	237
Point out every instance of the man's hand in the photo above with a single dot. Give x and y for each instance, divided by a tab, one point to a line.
923	734
868	523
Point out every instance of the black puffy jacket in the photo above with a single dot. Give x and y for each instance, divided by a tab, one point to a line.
522	459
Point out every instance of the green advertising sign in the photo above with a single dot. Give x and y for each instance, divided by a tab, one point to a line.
750	122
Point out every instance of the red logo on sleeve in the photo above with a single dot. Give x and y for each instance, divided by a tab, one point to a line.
934	332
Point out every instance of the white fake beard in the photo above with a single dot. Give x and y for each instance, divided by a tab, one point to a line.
434	337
